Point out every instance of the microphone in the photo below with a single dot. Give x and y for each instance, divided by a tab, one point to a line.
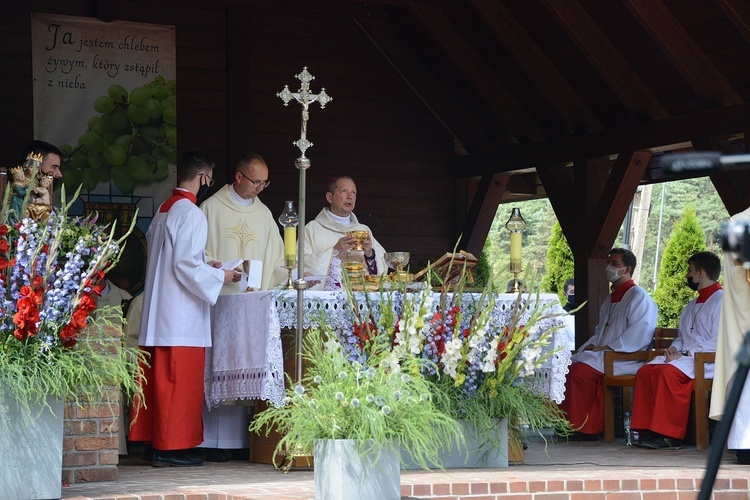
420	260
701	161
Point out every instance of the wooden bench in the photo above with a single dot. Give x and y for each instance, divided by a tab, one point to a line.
663	338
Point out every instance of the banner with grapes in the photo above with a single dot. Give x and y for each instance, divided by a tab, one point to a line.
105	93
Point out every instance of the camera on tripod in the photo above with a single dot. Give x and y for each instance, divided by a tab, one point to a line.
735	238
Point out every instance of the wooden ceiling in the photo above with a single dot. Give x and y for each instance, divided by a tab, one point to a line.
523	84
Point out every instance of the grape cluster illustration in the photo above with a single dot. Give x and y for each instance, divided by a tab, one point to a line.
131	141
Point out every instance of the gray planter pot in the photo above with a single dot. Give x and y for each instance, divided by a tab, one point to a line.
30	451
479	451
342	473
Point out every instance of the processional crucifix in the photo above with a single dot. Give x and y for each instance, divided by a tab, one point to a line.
305	98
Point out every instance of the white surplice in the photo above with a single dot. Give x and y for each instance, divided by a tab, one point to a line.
180	285
624	326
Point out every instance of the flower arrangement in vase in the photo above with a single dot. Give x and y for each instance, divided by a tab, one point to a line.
50	345
485	358
378	401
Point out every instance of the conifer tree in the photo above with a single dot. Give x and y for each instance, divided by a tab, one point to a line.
672	294
559	262
484	268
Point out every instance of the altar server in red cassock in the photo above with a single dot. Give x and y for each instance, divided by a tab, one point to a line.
663	387
175	323
627	319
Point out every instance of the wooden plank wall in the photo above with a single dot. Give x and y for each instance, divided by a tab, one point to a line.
375	129
231	62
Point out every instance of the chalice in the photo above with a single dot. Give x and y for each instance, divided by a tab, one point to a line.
398	261
360	236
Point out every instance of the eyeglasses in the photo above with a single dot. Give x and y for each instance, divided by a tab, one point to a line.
265	184
210	179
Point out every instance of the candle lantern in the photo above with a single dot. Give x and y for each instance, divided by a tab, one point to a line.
289	220
516	224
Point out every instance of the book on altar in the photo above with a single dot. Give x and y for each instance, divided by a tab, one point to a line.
450	266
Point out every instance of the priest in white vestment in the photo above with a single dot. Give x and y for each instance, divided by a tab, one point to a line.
240	226
326	240
627	319
733	324
664	386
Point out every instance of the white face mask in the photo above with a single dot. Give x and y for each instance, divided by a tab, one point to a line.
612	273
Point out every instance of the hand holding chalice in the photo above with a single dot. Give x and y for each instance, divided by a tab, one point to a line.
360	236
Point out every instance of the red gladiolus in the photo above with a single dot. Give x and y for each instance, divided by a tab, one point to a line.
4	247
4	229
67	333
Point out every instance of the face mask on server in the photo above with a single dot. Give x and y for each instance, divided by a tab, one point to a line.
613	273
692	284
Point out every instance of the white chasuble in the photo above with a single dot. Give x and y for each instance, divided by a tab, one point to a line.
322	233
244	232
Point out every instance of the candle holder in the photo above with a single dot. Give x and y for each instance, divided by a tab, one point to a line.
516	224
289	220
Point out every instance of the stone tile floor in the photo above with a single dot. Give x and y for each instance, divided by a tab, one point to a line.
587	466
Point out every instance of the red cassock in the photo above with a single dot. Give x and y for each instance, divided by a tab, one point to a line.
174	399
584	398
661	401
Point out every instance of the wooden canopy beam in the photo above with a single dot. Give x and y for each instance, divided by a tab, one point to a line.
602	54
477	71
425	84
558	184
710	122
733	186
482	212
540	70
615	200
679	46
738	11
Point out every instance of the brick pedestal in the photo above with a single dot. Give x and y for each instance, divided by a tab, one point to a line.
90	441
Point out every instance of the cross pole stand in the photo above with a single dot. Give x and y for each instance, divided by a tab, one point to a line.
304	97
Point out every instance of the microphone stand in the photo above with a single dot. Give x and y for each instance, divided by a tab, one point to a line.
725	424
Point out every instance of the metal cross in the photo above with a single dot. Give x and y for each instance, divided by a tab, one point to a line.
305	98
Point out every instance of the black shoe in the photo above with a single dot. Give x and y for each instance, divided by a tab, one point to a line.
743	457
148	453
662	443
580	436
216	455
174	459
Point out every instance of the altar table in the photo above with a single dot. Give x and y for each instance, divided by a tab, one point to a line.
246	360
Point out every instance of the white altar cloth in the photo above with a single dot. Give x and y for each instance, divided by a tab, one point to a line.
246	360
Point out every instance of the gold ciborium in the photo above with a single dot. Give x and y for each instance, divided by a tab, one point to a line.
398	261
360	235
354	266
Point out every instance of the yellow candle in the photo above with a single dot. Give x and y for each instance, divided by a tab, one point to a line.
515	246
290	241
